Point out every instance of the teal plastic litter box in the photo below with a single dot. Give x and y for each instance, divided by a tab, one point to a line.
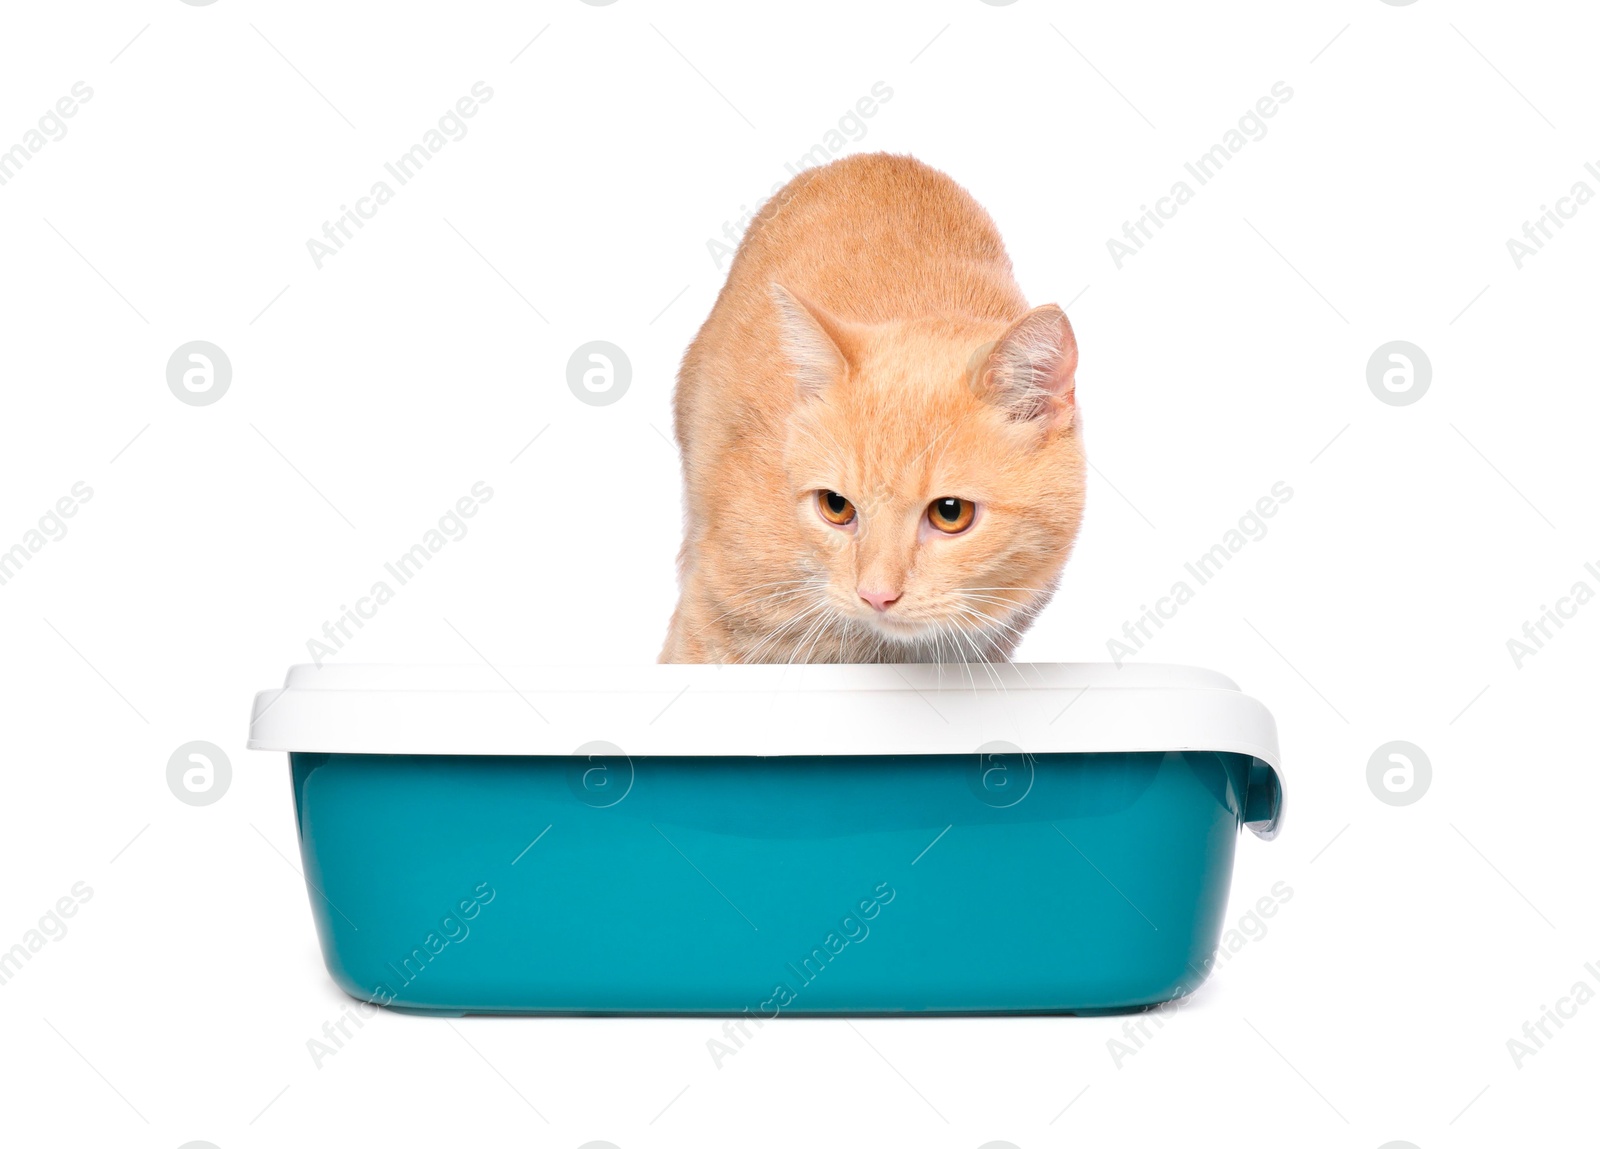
770	840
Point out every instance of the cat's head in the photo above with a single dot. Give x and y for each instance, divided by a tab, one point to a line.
936	471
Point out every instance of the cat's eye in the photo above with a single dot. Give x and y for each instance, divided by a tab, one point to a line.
952	516
837	509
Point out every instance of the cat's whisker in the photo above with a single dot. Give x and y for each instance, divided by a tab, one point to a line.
754	653
997	622
770	600
978	657
957	636
986	626
771	649
820	628
1011	606
964	602
792	585
939	633
1026	590
995	630
805	586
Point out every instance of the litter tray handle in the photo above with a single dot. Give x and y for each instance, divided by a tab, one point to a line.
1263	801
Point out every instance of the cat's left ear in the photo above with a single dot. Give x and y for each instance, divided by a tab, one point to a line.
814	340
1030	370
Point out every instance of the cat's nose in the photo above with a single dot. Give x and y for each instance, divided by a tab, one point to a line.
879	599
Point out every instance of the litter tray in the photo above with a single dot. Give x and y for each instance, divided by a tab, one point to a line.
770	840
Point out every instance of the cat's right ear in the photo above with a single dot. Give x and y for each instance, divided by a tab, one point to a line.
1030	371
813	340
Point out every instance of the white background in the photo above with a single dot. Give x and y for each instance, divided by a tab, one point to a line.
369	395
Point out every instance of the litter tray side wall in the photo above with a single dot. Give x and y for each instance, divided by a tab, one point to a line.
883	884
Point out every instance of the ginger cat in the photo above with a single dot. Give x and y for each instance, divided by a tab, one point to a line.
881	448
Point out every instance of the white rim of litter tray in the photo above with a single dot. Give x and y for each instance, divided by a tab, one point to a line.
766	710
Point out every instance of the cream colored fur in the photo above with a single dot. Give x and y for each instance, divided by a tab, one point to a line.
871	340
